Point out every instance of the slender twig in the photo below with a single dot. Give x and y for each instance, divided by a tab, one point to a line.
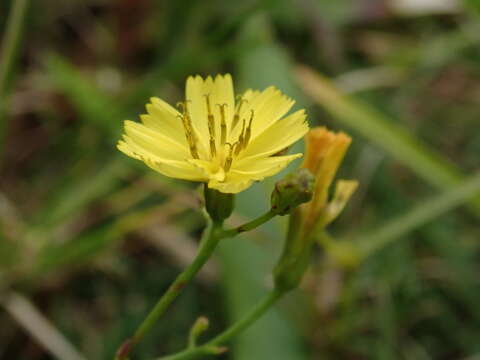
208	244
10	43
246	321
249	225
213	346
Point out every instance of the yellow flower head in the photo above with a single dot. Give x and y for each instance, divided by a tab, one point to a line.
215	139
324	153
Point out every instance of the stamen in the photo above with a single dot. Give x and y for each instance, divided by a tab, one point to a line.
248	133
236	117
228	161
239	146
189	132
211	127
211	119
213	148
223	124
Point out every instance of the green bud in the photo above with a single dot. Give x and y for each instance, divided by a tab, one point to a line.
219	205
198	328
295	189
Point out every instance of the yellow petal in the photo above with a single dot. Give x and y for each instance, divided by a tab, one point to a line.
317	143
151	142
278	136
324	154
220	91
177	169
267	106
328	167
258	169
223	93
232	187
344	189
249	95
164	119
212	170
245	173
171	168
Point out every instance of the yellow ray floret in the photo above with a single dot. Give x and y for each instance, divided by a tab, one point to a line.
215	138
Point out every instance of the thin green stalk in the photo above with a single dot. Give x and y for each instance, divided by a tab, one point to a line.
10	43
249	319
209	241
213	346
211	236
249	225
426	211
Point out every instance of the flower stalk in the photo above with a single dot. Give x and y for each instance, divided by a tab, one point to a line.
208	243
210	239
213	347
262	219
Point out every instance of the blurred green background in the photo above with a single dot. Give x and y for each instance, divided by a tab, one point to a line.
90	238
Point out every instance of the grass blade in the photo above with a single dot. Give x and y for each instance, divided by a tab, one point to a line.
380	130
426	211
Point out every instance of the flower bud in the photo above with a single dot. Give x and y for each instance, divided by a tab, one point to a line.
198	328
219	205
295	189
324	153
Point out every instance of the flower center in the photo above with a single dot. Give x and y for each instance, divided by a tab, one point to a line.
222	153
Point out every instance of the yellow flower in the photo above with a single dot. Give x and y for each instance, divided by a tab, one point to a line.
214	139
324	153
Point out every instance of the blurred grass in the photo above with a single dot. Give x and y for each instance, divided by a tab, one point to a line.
11	40
73	210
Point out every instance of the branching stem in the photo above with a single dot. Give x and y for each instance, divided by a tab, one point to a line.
249	225
213	347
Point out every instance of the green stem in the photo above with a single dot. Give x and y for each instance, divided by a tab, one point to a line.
213	346
250	318
249	225
208	243
10	43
